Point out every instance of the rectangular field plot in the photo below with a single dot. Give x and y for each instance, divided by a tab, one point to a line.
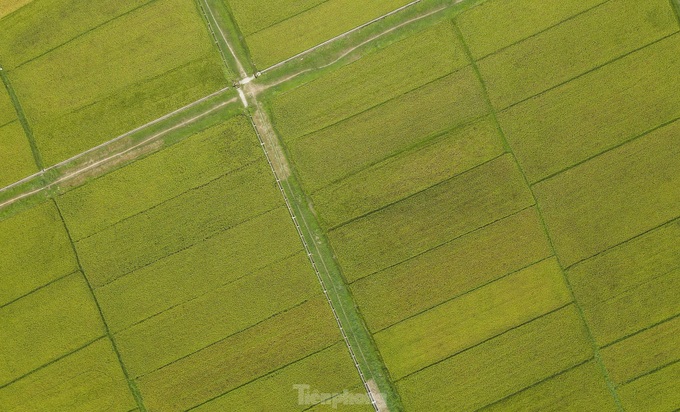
463	322
40	251
90	379
46	325
407	173
44	25
580	389
496	24
124	73
658	391
360	141
206	319
578	205
371	80
322	372
500	366
430	218
160	177
233	254
255	15
631	286
643	353
307	29
451	270
15	154
598	111
179	223
241	358
574	47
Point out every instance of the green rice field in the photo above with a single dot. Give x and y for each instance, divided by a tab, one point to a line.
463	206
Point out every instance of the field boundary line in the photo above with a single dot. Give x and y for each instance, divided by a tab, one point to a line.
675	4
392	99
201	186
114	156
310	256
414	194
645	329
345	34
134	391
52	362
188	355
464	293
376	399
39	288
222	285
309	355
354	48
442	244
489	339
651	372
420	145
82	34
197	243
285	19
239	66
589	71
21	116
538	33
546	379
639	235
214	36
593	343
8	123
115	139
607	150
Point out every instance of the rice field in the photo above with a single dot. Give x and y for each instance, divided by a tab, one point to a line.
489	199
129	65
297	32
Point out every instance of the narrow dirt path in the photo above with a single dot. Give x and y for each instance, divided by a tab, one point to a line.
116	156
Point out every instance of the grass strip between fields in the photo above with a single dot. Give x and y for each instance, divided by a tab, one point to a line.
354	332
